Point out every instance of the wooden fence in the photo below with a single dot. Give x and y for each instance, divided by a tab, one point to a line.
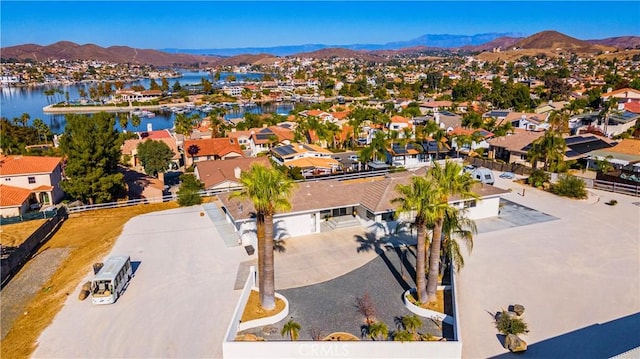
616	187
13	260
499	166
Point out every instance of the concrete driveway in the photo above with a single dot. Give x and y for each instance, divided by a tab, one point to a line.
578	277
180	301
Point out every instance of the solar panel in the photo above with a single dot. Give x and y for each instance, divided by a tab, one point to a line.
263	136
579	139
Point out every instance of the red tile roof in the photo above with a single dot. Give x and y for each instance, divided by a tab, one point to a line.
13	196
212	147
23	165
157	134
632	107
214	173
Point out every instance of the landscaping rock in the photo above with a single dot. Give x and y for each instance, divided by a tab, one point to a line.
83	294
514	343
517	308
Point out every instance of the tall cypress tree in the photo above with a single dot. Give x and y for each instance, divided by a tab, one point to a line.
92	147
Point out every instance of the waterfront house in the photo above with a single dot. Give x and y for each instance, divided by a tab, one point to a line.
211	149
220	175
130	147
40	176
311	159
129	95
263	139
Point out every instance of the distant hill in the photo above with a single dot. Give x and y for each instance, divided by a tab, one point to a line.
247	59
65	50
503	42
620	42
552	40
343	53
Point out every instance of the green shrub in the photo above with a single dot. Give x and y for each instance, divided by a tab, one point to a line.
569	186
537	178
507	323
188	193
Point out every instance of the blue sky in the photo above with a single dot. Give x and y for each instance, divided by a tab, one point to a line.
214	24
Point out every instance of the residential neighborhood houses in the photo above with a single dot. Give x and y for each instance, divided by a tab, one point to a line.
359	135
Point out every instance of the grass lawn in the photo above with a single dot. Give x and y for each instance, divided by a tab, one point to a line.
12	235
91	236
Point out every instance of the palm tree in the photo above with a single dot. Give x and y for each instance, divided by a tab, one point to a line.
411	323
402	336
378	330
292	329
550	148
269	190
456	229
450	180
418	197
440	137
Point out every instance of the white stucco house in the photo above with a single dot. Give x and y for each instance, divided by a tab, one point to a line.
368	202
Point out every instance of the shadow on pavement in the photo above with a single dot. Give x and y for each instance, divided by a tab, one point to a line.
595	341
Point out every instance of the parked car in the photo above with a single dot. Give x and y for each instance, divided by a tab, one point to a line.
508	175
353	158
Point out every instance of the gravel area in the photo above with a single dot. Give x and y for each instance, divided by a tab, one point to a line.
331	306
15	296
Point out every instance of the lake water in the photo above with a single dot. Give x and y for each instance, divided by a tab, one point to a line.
14	101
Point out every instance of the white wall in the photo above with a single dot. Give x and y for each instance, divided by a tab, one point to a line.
331	349
485	208
295	225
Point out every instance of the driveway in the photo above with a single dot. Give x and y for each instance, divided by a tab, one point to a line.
578	277
183	292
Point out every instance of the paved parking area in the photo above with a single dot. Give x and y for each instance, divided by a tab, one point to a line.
182	296
578	277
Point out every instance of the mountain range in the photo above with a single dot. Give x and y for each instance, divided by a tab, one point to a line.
429	40
547	40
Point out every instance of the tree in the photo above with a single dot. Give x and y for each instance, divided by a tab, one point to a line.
269	190
154	156
411	323
292	329
419	197
184	124
188	192
450	181
378	330
456	229
44	132
549	148
92	147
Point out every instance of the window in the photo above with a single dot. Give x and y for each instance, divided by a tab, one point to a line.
469	204
32	180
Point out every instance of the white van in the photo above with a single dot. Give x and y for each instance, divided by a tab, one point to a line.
483	175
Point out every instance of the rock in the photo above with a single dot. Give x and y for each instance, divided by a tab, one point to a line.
86	286
83	294
517	308
514	343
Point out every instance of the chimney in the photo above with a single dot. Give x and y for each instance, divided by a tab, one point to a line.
436	117
236	172
609	89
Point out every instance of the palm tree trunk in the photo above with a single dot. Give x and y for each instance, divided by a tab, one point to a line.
267	292
434	261
421	255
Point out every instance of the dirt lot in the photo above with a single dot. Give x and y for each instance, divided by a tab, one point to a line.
12	235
